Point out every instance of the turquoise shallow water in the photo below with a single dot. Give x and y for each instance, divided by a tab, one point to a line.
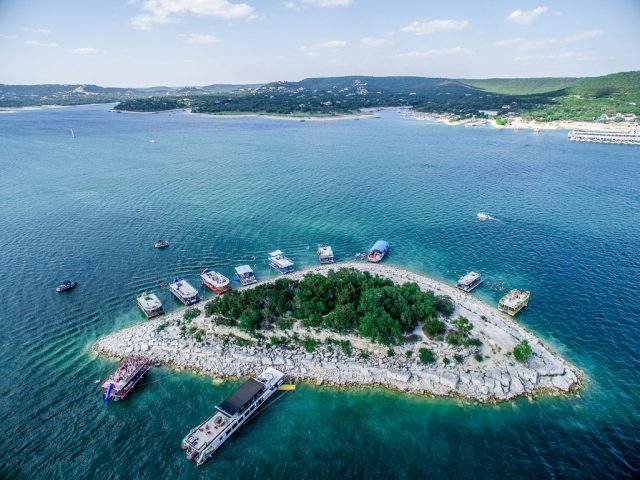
228	190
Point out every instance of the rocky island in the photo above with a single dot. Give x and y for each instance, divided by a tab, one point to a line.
464	347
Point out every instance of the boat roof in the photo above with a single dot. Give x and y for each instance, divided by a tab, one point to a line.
183	287
514	298
275	253
149	300
243	269
325	250
469	277
238	399
380	246
280	259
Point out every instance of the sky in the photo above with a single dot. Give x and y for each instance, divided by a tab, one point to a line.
141	43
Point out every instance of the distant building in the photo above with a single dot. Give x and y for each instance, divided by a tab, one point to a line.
489	113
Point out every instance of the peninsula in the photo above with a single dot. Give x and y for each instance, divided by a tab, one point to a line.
460	347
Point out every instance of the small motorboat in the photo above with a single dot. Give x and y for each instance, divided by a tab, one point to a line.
483	216
161	244
66	285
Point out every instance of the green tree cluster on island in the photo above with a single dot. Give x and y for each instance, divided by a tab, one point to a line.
522	351
344	301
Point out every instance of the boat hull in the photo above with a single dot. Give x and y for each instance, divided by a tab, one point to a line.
215	289
120	394
471	286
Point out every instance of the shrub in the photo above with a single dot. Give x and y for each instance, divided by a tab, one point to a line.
363	355
198	336
161	326
522	351
426	356
190	313
446	360
285	323
310	344
391	352
243	342
409	353
458	358
478	357
433	327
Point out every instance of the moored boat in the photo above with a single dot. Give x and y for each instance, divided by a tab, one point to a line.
230	415
470	281
214	281
378	251
66	285
245	275
150	304
281	263
325	254
122	380
183	291
161	243
514	301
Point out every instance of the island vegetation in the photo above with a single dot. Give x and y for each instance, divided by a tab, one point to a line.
344	301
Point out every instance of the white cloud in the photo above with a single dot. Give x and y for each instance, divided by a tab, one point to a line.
328	3
376	41
520	42
158	12
526	17
313	49
428	27
564	56
43	31
202	39
435	52
8	37
84	51
576	37
36	43
290	5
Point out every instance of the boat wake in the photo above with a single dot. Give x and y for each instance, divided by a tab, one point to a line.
484	216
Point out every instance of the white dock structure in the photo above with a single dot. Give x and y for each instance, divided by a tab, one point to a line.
626	138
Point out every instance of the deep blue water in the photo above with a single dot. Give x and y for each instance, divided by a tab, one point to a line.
228	190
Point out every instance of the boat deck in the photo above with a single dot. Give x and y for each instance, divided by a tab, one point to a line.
208	431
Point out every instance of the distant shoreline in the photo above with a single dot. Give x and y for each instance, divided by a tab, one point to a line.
496	377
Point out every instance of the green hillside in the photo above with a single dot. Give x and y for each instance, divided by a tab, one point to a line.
591	97
522	86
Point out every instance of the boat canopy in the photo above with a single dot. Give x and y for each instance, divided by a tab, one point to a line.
380	246
276	253
243	269
241	397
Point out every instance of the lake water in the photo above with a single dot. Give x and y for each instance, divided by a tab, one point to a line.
226	191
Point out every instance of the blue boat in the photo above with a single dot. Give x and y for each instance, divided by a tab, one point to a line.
378	251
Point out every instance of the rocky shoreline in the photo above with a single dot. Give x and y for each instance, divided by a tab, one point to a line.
485	373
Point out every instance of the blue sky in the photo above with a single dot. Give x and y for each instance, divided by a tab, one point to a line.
198	42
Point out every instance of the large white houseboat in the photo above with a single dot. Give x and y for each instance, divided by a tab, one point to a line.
281	263
230	415
150	304
183	291
245	275
214	281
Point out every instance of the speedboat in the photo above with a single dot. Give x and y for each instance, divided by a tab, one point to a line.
66	285
161	244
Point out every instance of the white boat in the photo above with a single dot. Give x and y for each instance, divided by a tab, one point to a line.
233	412
281	263
245	275
483	216
514	301
161	243
150	304
214	281
470	281
325	254
183	291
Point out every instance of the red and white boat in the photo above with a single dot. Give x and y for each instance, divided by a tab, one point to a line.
216	282
122	380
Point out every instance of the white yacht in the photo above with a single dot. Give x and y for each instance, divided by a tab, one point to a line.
202	442
245	275
281	263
